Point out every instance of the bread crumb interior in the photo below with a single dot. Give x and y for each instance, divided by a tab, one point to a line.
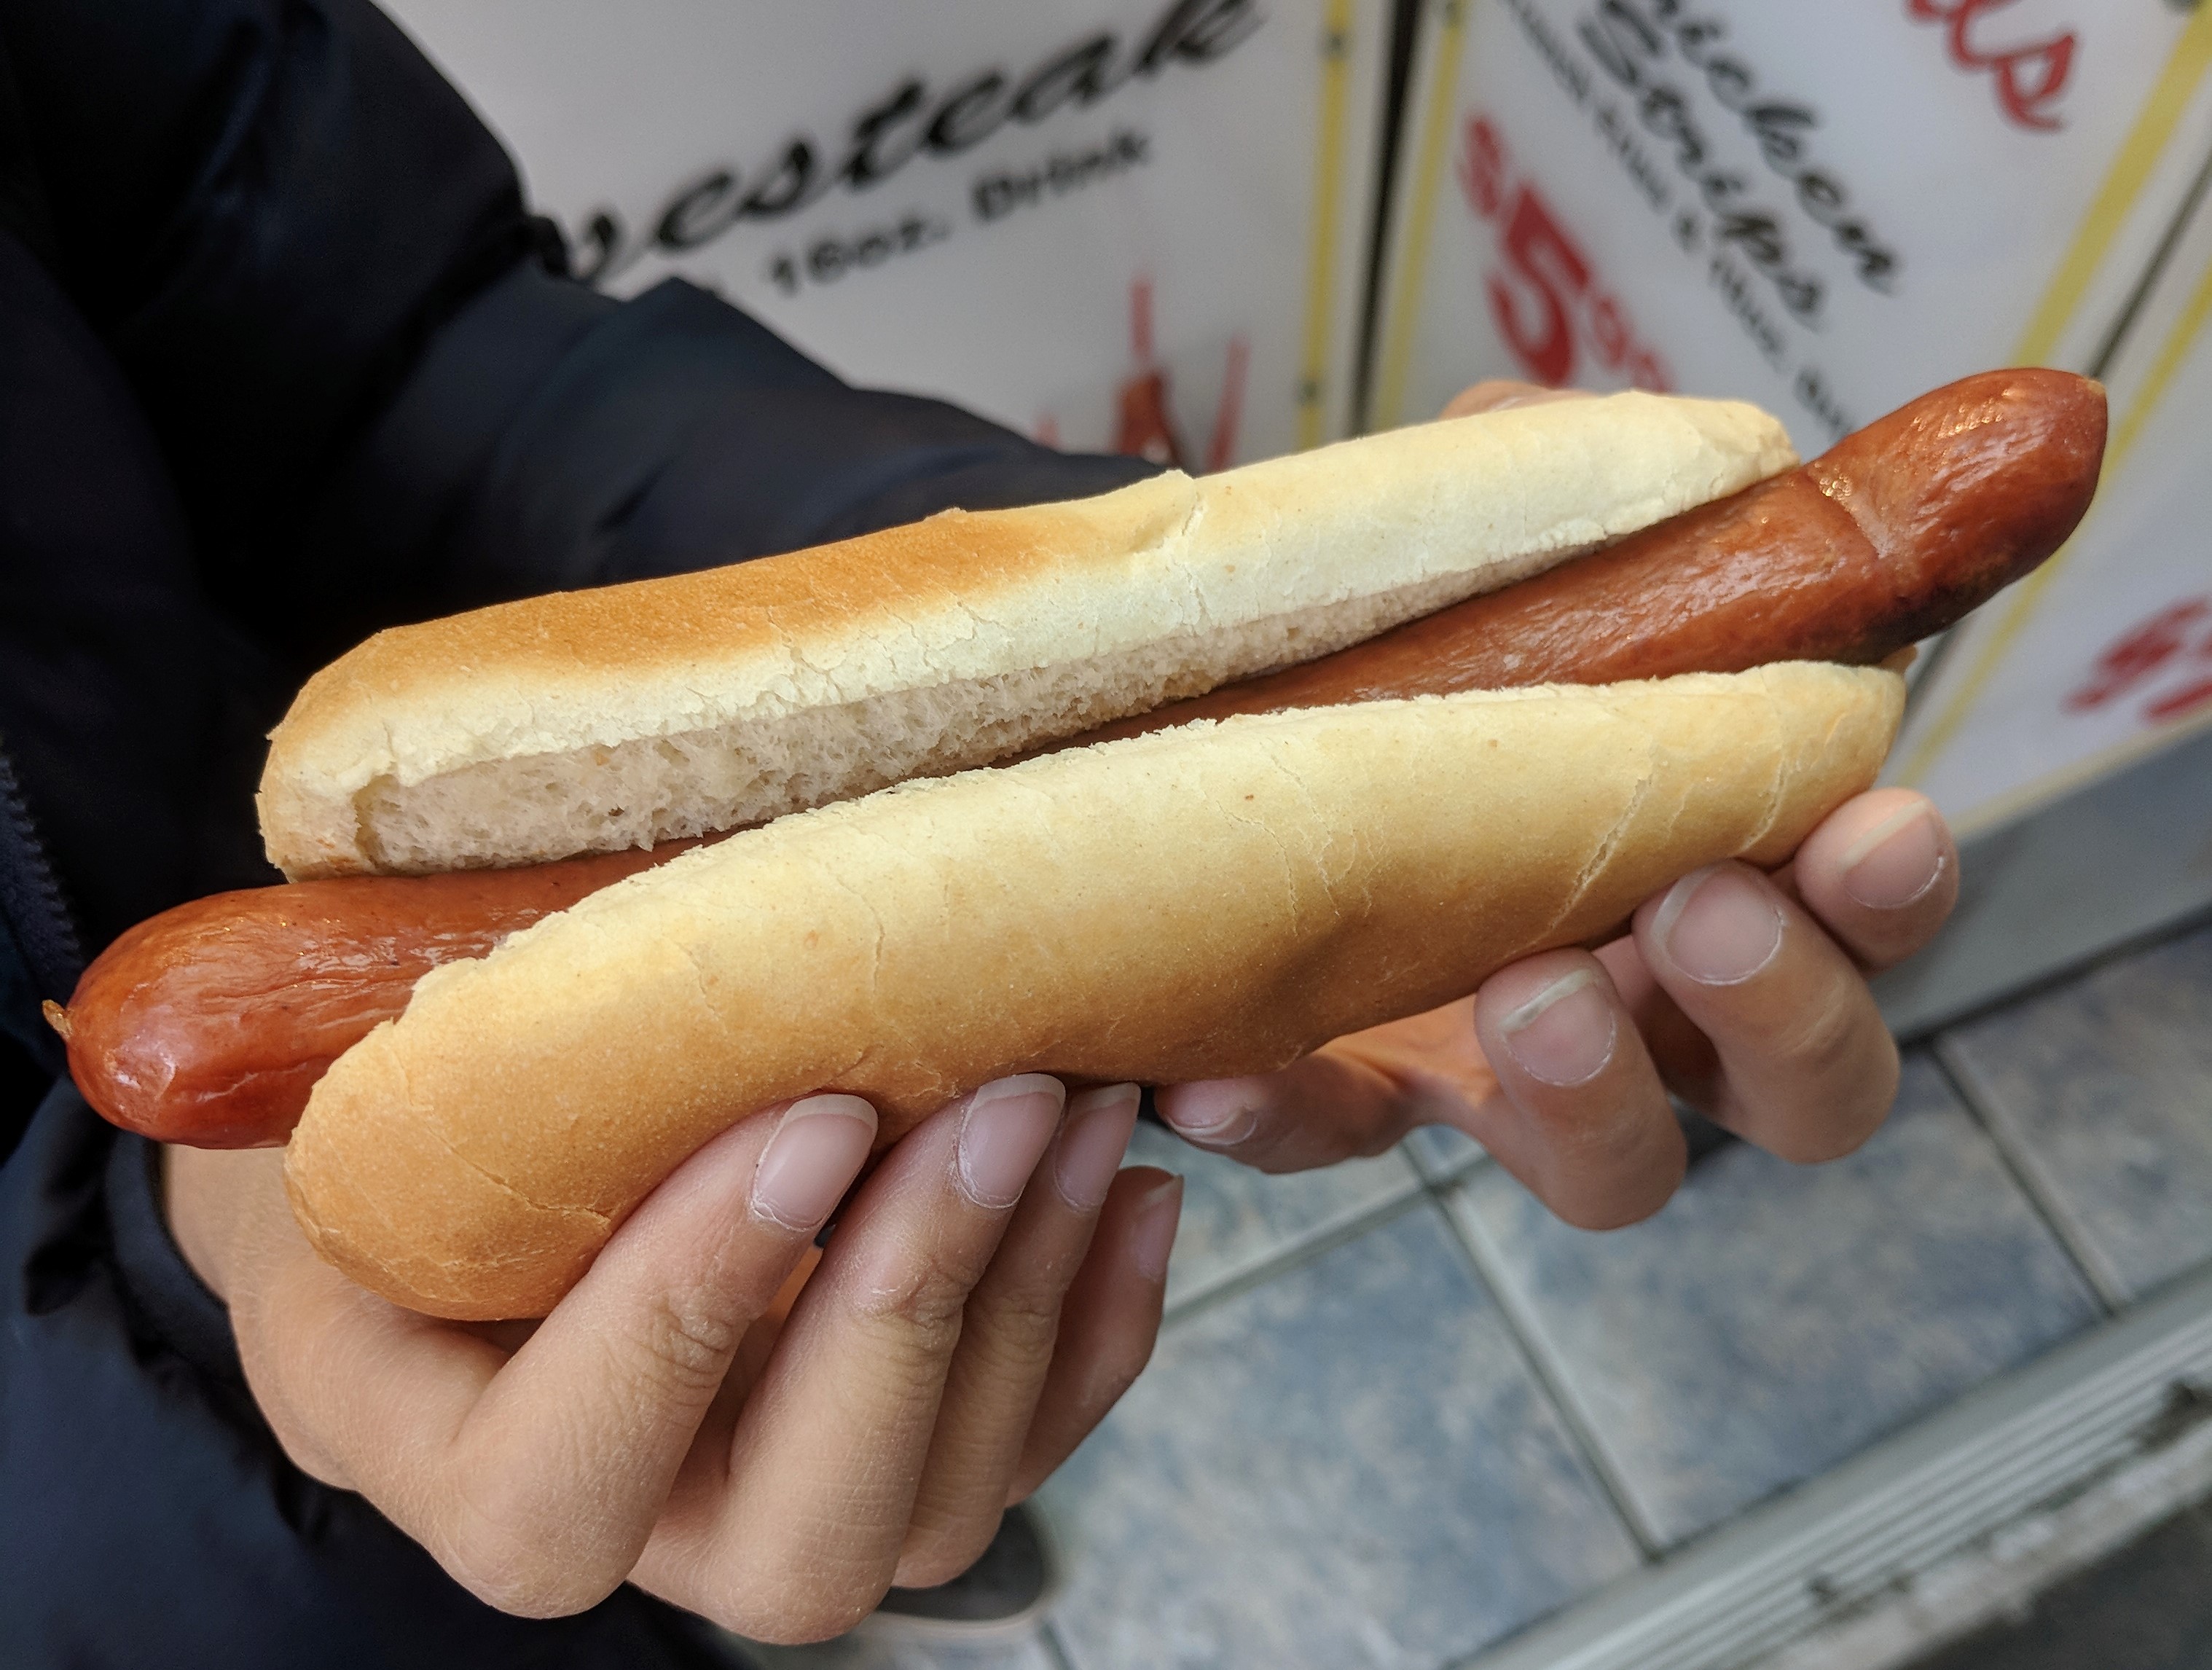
535	808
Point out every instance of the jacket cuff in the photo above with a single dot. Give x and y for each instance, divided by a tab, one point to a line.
171	1300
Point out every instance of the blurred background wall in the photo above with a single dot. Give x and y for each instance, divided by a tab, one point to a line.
1213	230
1135	223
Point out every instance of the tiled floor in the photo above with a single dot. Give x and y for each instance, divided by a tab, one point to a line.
2105	1087
1399	1413
1265	1498
1775	1318
1237	1221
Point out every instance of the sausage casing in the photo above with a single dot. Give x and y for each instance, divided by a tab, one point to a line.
1894	534
209	1023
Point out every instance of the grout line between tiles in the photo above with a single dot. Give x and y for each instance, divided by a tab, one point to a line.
1445	1174
1553	1372
1323	1237
1916	1031
1054	1648
2033	1179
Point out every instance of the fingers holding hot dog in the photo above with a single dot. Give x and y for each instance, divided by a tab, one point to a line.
987	1296
1758	1012
1752	989
1501	394
533	1477
889	1427
1743	994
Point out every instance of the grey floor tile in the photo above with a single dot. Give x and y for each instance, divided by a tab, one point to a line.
1236	1219
1442	1153
1773	1320
2107	1085
1347	1466
866	1650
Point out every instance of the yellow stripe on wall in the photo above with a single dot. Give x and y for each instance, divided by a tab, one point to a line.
2139	154
1320	257
2124	183
1443	93
2171	353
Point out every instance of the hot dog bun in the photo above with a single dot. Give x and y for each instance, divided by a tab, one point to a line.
1206	900
591	721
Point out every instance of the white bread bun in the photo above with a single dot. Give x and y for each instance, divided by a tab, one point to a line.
590	721
1207	901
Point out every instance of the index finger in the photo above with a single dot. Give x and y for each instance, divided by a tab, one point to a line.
1497	394
534	1480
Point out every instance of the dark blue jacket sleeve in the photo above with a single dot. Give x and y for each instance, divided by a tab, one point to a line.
376	392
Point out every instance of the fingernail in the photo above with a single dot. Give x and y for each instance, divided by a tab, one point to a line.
1003	1135
1896	861
1154	1238
1092	1139
1718	926
1218	1114
1564	1034
817	1150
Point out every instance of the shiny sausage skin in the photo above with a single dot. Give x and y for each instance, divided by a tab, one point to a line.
1895	532
210	1024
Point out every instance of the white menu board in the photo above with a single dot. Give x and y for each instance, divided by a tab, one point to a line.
1828	209
2105	652
1139	224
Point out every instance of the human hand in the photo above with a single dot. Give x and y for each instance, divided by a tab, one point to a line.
1745	994
987	1296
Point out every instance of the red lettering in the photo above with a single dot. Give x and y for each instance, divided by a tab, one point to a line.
1647	371
2023	103
1548	298
1482	168
2028	78
2187	699
2142	654
1554	270
1609	331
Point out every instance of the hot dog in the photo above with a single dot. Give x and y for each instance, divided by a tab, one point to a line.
210	1024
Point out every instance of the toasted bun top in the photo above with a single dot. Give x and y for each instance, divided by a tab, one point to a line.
597	720
1203	902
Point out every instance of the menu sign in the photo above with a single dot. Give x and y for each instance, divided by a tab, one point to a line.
1139	223
1828	210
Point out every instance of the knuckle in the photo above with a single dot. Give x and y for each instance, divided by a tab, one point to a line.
1846	1071
814	1618
1358	1134
304	1448
1826	1044
1113	1374
506	1571
1587	1127
785	1601
1019	1329
923	1300
938	1553
684	1343
518	1544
